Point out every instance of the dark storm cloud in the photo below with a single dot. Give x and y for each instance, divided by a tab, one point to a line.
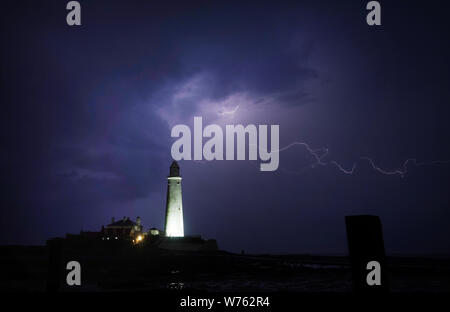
262	64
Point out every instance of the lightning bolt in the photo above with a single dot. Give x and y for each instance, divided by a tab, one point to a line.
224	111
320	154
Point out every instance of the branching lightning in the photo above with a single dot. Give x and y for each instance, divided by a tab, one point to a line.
320	154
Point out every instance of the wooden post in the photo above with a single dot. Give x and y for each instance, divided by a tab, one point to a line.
55	267
365	245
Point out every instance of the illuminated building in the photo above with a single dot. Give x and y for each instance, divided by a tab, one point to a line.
174	226
122	229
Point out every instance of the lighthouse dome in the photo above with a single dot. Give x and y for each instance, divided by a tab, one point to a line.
174	169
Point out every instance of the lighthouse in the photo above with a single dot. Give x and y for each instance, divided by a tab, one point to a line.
174	226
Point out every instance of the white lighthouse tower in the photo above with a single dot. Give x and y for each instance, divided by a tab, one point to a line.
174	206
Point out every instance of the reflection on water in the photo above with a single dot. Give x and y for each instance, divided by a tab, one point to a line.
176	285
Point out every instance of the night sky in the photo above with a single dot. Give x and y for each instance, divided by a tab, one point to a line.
87	113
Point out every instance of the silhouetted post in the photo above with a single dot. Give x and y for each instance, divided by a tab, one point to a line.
367	255
55	266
